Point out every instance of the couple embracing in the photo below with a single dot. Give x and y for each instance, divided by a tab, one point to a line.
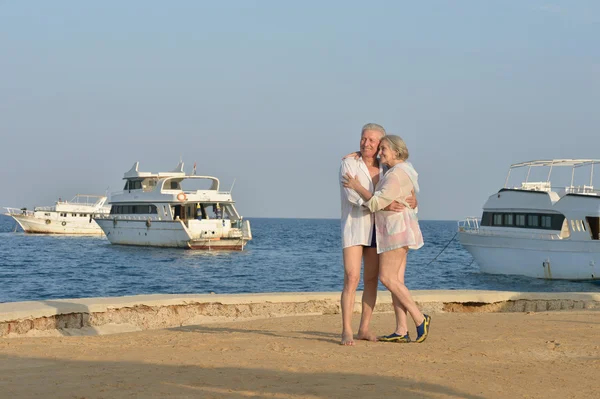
379	226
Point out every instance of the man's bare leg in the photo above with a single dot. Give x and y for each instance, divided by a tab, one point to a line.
369	298
352	263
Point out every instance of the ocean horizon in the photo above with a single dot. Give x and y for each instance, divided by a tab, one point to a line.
285	255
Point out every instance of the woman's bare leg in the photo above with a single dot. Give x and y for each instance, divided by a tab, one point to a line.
389	271
399	310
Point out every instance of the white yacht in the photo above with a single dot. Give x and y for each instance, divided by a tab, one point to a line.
65	217
539	229
155	210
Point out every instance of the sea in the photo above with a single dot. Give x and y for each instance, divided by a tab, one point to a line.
285	255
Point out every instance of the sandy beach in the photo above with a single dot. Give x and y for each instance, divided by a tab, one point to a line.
468	355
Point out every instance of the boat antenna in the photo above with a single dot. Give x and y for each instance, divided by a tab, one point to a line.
231	189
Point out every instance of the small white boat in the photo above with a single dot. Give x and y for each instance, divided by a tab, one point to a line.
538	229
65	217
155	210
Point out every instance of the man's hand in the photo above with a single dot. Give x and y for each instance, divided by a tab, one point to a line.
398	207
412	200
354	155
395	207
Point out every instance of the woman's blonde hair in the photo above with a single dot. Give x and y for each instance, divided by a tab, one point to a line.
397	145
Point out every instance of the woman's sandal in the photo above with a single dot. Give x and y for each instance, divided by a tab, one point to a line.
395	338
423	329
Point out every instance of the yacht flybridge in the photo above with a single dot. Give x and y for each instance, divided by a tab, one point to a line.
537	228
154	210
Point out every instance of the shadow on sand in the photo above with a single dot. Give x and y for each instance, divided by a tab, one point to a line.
102	379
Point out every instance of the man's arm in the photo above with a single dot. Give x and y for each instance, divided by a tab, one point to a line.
350	195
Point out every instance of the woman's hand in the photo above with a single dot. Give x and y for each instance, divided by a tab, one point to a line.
350	181
354	155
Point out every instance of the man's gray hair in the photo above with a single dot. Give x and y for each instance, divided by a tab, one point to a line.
373	126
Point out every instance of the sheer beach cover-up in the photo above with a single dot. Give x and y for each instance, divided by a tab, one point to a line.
396	229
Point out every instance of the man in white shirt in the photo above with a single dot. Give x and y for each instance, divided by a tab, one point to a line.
358	234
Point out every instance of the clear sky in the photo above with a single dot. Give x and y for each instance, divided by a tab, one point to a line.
273	93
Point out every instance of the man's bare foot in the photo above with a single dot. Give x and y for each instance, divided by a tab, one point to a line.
347	339
366	336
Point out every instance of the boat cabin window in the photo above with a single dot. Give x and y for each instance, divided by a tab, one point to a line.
174	185
133	209
594	225
533	220
546	221
527	220
498	219
133	185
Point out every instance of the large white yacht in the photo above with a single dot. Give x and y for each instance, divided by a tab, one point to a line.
65	217
155	210
539	229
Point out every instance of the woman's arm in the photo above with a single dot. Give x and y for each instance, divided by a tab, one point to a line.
393	186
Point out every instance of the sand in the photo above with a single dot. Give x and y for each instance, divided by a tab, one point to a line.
468	355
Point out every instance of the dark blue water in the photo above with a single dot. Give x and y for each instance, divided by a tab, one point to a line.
285	255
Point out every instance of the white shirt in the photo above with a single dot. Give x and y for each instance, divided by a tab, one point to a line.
396	229
357	220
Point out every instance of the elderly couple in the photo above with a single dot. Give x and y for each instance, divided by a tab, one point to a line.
379	225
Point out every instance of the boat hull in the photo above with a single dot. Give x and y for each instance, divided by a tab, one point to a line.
534	257
163	233
52	225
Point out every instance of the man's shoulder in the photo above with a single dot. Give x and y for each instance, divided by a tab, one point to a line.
350	162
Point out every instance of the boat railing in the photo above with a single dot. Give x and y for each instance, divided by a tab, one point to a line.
581	190
169	191
18	212
85	199
560	190
469	224
536	186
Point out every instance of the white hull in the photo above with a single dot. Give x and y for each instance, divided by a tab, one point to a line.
534	257
54	225
164	233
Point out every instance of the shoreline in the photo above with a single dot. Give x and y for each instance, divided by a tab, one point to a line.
102	316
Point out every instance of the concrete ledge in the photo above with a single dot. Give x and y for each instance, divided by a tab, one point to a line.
93	316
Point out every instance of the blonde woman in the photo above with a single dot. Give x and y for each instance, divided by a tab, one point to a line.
396	232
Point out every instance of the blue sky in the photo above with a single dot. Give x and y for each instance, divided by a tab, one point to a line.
273	93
